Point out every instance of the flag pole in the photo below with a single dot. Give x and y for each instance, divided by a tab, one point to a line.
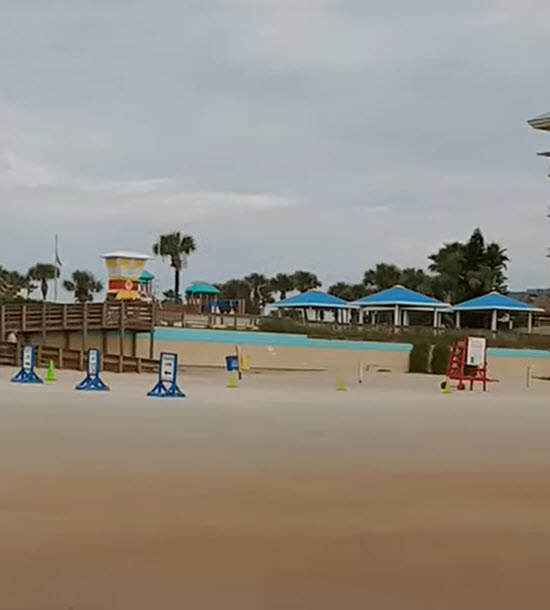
56	264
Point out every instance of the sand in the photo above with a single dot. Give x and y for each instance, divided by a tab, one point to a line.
281	494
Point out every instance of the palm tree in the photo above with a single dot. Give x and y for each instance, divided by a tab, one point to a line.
304	281
348	292
177	247
382	276
260	288
43	272
83	284
12	283
415	279
282	283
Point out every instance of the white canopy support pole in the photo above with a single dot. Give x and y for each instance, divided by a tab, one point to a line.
457	319
494	321
396	316
405	317
435	318
530	322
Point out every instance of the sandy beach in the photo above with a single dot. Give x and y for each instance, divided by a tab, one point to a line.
280	494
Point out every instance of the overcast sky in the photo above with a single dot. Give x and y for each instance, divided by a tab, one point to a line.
325	135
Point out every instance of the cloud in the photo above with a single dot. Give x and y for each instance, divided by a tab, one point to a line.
303	133
16	171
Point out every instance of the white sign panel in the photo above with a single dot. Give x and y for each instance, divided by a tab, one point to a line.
475	356
168	367
27	358
93	362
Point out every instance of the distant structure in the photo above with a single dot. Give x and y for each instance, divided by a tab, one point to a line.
541	122
128	279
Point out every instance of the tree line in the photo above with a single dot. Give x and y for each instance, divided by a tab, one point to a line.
456	272
82	284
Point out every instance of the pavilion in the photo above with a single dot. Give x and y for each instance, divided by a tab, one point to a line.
493	303
401	301
198	294
319	302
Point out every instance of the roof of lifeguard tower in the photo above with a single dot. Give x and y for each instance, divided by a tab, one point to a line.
126	254
542	121
495	300
312	298
201	288
399	295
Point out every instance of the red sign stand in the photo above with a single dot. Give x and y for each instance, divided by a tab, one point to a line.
458	369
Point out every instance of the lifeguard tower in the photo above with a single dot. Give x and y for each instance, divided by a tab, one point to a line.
124	270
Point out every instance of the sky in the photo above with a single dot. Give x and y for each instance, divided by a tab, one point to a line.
283	135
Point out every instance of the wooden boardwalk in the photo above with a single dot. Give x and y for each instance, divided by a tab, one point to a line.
50	317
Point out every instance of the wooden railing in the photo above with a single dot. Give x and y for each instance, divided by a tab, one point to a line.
64	358
78	316
121	315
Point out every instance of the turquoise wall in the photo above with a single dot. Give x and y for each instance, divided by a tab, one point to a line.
236	337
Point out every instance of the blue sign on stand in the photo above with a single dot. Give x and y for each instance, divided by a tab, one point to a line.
28	359
167	386
92	381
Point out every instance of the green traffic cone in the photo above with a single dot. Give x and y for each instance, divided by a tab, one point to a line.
50	372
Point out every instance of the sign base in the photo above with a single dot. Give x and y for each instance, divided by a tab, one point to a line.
165	389
92	383
26	377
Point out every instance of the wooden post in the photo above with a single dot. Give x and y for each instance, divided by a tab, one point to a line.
84	326
2	322
152	331
121	336
43	322
64	323
104	341
60	357
23	318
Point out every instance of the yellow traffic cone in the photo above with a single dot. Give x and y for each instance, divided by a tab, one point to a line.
232	379
50	372
446	386
341	387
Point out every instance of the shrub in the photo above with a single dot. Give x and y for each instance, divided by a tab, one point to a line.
419	358
440	357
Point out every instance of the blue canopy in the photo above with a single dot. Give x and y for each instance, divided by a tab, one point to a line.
313	298
495	300
404	297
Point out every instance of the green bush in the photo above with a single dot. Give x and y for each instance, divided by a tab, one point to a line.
440	357
419	358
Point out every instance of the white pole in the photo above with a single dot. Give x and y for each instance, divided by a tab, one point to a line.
530	322
529	376
435	318
494	321
396	316
457	319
